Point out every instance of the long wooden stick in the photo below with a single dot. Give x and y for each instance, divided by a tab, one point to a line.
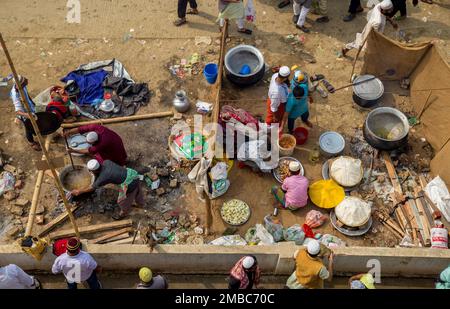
36	193
70	155
117	119
92	228
39	137
58	220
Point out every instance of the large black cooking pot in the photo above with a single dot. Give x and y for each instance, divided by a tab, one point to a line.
239	56
367	94
386	128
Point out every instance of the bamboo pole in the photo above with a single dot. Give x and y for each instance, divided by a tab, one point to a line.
36	193
117	119
40	139
209	204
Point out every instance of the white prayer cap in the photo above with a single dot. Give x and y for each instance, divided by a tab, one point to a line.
294	166
92	137
93	165
313	247
248	262
284	71
386	4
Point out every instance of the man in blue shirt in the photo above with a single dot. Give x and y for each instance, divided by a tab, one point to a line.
297	103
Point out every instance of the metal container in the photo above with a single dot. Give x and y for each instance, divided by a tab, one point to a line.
78	142
244	55
368	93
181	102
66	171
386	128
331	144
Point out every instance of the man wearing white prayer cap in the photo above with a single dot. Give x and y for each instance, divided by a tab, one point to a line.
376	20
245	274
293	194
105	143
277	96
126	180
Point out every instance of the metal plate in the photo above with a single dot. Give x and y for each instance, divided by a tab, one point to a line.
326	176
370	90
275	171
244	221
360	231
78	142
331	143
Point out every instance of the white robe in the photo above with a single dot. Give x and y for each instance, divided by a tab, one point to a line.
375	20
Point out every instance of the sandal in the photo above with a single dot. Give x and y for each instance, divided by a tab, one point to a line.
245	31
36	146
192	12
427	1
180	22
284	3
329	87
119	216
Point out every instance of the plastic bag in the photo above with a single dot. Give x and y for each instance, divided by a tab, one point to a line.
250	12
250	236
229	240
7	182
294	233
274	228
265	238
331	241
220	183
315	218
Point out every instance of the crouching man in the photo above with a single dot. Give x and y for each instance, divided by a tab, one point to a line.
126	179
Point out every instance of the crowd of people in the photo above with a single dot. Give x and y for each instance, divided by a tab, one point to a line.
79	267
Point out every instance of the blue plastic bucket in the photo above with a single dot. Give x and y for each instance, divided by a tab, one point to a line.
210	72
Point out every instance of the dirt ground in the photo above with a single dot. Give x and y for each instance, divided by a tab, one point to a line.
44	48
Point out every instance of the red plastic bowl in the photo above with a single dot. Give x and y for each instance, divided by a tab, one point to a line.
301	135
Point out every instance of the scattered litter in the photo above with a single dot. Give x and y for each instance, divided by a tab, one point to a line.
203	40
229	240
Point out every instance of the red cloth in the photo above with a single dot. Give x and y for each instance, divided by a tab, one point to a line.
308	231
239	273
57	108
279	113
109	145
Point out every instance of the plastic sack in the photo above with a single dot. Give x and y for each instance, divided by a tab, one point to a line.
7	182
250	12
220	183
229	240
315	218
331	241
250	236
294	233
274	228
265	238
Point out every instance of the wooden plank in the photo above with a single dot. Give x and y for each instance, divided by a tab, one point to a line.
117	119
59	219
92	228
418	222
118	237
111	235
424	219
122	241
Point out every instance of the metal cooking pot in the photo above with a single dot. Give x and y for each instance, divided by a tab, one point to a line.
369	93
386	128
244	55
66	170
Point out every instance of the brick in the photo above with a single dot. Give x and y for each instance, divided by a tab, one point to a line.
173	183
160	191
19	184
13	231
9	168
39	219
10	195
21	202
17	210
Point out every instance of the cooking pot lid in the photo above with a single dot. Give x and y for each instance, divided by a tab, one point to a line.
370	90
332	142
78	142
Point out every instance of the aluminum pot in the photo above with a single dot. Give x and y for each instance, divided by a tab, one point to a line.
244	55
69	169
386	128
367	94
181	102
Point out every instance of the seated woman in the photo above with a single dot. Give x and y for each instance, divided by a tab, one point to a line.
60	105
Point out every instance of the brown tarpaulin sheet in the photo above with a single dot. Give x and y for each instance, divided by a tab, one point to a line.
429	77
382	54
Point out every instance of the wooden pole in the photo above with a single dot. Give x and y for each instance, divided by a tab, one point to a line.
117	119
70	155
40	139
209	204
36	193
